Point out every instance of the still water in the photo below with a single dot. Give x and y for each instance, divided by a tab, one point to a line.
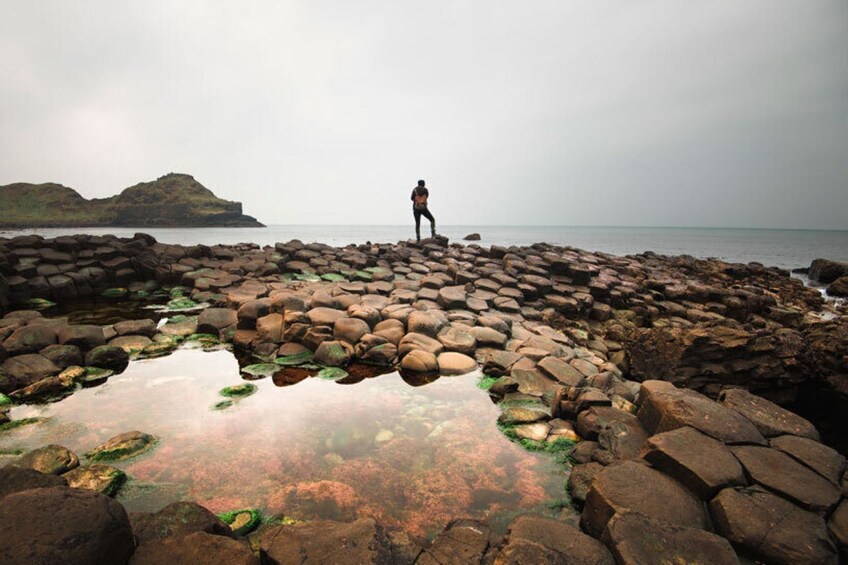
411	457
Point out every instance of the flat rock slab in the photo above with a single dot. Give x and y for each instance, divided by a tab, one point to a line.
635	539
198	548
699	462
361	541
561	371
63	525
539	539
765	527
768	417
580	480
781	473
824	460
633	487
668	409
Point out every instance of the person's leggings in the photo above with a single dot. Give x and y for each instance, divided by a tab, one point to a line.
426	213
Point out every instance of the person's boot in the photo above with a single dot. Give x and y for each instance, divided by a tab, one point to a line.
433	230
418	235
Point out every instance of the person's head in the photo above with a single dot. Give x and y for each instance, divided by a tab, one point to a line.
420	183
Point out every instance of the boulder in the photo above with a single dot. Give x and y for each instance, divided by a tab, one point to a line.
458	339
839	287
83	336
63	525
489	337
780	473
767	528
462	541
16	479
580	480
332	354
537	539
63	356
453	363
132	344
198	548
838	525
30	339
419	361
350	330
99	478
769	418
826	271
361	541
699	462
24	370
414	341
176	519
665	409
638	540
452	297
269	328
323	316
108	357
472	237
123	446
632	487
146	328
561	371
214	320
49	459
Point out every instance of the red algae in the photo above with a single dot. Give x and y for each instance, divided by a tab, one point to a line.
412	457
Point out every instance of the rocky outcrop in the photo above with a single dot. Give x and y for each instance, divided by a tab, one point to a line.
176	200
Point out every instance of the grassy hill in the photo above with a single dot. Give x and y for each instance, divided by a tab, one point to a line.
174	200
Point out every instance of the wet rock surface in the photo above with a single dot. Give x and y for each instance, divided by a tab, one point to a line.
672	374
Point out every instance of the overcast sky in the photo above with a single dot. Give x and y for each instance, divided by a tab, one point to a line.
650	113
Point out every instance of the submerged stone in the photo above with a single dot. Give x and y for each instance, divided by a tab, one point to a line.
261	369
50	459
123	446
294	360
98	477
115	293
94	376
238	391
38	304
332	374
243	521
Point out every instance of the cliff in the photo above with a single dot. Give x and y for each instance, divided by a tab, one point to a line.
174	200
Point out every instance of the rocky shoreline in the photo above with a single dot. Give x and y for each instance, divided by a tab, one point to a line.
667	373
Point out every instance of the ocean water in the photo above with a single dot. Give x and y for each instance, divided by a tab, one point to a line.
787	249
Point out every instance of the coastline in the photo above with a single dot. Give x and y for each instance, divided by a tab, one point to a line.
620	355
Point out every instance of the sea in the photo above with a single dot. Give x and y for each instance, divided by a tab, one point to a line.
787	249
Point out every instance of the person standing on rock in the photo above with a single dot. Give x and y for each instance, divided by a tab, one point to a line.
419	197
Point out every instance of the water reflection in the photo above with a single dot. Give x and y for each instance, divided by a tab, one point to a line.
413	457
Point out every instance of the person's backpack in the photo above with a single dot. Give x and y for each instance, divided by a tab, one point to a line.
420	201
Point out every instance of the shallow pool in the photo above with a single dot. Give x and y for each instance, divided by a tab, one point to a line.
411	457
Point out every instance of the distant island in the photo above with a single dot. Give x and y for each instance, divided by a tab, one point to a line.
173	200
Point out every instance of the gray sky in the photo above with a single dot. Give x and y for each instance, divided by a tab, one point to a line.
651	113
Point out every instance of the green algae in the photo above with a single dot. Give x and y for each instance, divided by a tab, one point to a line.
5	400
14	424
261	369
115	293
222	405
332	374
39	304
307	277
242	521
486	383
238	391
333	277
301	358
182	303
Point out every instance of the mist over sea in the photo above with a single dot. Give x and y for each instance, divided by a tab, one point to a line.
781	248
